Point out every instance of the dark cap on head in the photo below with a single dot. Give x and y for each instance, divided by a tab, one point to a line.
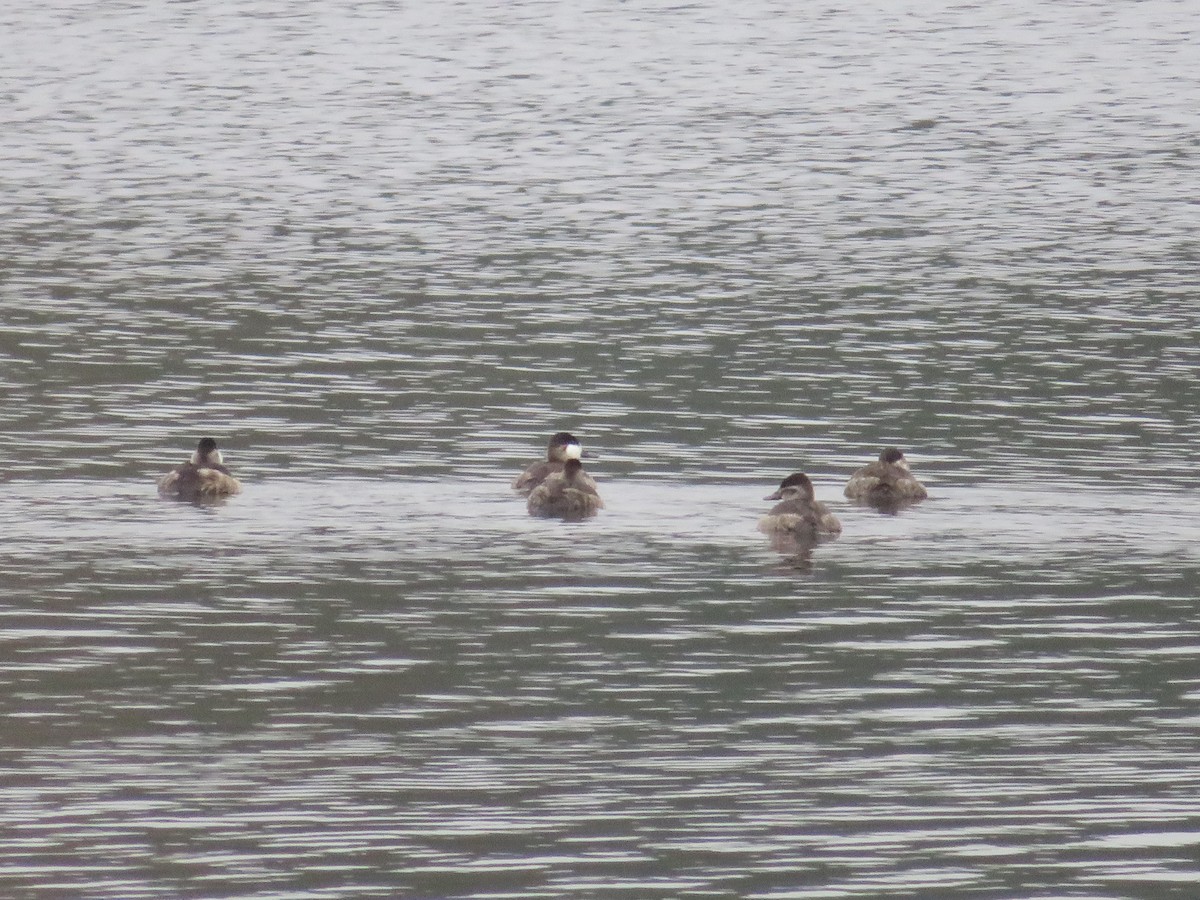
891	455
795	480
207	446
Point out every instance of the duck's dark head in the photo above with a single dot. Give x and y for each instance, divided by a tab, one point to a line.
796	485
207	453
892	456
563	446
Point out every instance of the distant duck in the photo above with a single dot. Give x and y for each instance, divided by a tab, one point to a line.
569	494
886	482
562	447
203	477
799	514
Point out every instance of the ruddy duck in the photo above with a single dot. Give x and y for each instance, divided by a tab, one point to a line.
562	447
799	513
569	494
203	477
886	482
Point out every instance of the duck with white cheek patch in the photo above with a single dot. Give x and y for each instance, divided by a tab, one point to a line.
563	447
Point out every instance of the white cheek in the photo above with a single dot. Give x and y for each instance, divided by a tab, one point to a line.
903	464
572	451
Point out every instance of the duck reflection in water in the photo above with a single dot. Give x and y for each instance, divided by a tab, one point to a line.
204	477
563	446
799	520
887	484
570	494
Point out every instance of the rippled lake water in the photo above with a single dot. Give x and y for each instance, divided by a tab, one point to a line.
381	251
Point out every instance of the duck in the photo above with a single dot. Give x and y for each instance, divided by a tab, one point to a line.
563	446
799	514
886	482
570	494
204	477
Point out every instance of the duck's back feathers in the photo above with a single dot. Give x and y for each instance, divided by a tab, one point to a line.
885	490
800	518
204	477
193	482
567	494
535	475
886	482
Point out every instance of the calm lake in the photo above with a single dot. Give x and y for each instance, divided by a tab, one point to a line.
381	251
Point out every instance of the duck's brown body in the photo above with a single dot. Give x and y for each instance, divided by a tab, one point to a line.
569	494
204	477
799	513
886	482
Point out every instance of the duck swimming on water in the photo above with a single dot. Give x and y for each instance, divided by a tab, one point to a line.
204	477
799	514
570	494
886	482
563	446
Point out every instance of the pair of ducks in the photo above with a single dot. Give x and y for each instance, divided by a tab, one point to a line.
886	484
558	487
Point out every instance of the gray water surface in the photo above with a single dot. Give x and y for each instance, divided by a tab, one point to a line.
360	688
381	251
